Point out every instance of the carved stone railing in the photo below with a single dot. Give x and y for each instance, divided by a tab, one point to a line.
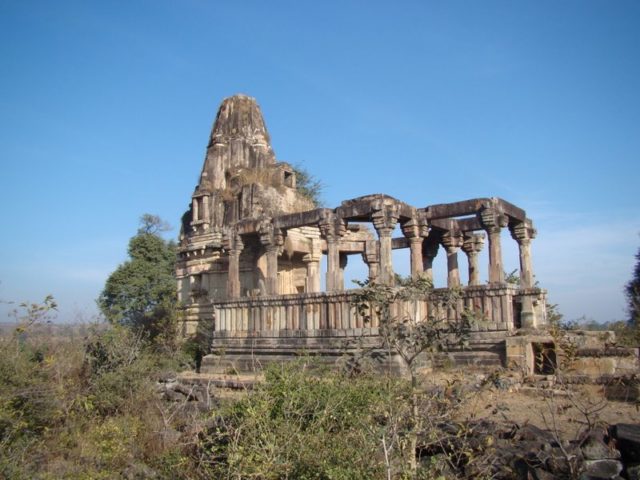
494	308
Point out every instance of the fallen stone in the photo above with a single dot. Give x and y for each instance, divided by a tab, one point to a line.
594	447
173	396
601	469
628	441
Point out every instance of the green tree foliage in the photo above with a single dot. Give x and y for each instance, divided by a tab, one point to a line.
141	292
308	185
632	291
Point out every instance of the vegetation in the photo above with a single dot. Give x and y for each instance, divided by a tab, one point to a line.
141	293
632	291
306	422
76	409
308	185
410	336
93	407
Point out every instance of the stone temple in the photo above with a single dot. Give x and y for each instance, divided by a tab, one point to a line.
252	246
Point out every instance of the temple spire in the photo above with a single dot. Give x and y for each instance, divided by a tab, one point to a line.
239	139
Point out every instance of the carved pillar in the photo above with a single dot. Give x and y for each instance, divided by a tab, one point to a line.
206	217
384	221
343	259
312	260
523	233
493	221
452	241
196	210
415	231
472	246
429	251
332	228
272	240
232	243
371	258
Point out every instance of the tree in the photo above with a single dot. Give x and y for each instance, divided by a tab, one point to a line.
308	185
141	292
632	291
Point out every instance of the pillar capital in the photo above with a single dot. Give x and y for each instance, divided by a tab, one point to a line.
232	242
473	243
332	228
523	232
452	241
493	220
415	229
271	238
385	219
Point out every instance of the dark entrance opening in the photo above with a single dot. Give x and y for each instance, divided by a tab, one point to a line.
544	358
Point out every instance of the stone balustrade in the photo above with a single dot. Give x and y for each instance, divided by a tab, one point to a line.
332	314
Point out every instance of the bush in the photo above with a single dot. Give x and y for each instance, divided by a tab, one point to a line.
79	409
305	423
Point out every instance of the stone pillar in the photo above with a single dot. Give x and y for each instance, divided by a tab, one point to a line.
384	221
493	221
272	240
415	231
523	233
472	246
206	217
272	269
232	242
342	264
371	258
312	260
452	241
196	210
429	251
332	229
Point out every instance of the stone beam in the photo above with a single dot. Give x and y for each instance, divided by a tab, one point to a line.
456	209
362	208
301	219
470	207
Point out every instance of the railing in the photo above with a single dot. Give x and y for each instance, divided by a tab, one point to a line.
494	308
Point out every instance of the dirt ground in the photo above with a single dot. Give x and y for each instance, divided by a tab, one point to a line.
565	408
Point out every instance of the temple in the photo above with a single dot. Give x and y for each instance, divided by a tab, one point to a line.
253	250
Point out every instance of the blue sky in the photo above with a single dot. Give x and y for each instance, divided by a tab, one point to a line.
106	107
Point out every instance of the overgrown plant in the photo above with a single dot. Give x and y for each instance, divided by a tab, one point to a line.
409	336
308	185
305	422
565	350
